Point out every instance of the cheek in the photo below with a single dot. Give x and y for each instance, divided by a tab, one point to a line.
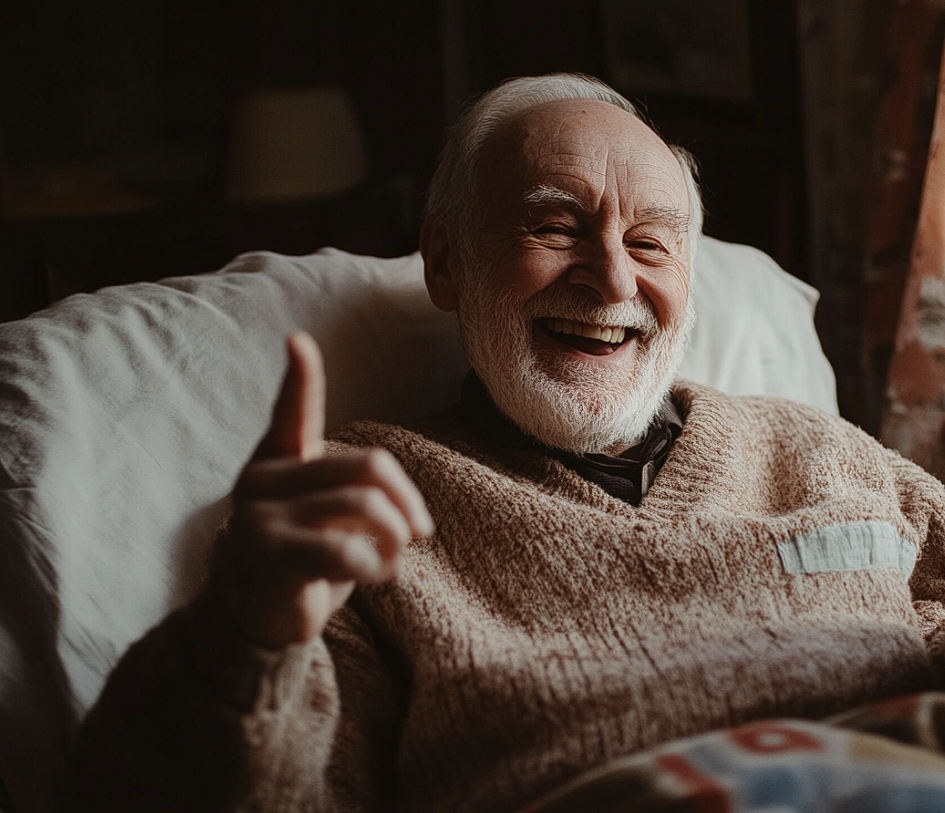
668	290
524	271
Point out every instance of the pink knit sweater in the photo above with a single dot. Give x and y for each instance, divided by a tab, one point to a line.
548	627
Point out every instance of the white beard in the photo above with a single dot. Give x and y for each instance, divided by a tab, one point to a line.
563	402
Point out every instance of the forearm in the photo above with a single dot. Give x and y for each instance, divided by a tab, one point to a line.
923	505
194	718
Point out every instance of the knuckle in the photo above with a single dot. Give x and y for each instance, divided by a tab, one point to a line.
367	500
260	513
318	466
378	462
258	518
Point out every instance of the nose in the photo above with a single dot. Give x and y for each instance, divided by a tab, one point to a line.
605	270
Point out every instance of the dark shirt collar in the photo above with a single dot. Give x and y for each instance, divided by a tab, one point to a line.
627	477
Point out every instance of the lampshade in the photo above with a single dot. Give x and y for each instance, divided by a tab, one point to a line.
294	144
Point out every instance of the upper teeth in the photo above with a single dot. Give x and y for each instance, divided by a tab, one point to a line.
614	335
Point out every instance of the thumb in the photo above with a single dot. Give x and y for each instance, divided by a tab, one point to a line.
297	428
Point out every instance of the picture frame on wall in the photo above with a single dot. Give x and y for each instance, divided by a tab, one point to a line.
696	48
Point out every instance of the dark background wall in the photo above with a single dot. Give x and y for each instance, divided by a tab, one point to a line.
115	123
141	94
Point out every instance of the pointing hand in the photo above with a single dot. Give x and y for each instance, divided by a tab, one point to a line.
306	528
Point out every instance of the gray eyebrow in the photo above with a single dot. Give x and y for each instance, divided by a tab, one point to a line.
668	216
546	195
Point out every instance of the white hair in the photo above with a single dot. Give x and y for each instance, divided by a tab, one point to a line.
454	196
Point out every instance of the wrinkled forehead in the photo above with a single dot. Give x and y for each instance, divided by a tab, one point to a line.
587	147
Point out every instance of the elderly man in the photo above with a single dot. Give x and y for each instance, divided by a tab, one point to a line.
582	561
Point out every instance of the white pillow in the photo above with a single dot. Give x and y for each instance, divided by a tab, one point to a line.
127	414
754	332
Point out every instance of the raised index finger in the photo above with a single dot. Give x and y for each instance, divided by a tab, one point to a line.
297	428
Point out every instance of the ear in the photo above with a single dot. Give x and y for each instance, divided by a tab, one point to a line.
437	271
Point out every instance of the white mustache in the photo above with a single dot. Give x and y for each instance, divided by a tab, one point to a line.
636	314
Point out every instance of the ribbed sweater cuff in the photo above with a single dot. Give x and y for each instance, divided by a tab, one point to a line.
237	672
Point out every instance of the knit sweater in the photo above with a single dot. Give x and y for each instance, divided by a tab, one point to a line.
547	627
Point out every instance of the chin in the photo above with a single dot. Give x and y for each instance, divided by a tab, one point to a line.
579	418
582	408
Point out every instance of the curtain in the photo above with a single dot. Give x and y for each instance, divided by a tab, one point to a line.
914	412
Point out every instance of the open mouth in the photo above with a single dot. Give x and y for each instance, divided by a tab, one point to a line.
595	340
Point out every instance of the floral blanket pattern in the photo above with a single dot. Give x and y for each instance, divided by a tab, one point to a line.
886	757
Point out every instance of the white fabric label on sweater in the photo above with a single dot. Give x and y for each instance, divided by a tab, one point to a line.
853	546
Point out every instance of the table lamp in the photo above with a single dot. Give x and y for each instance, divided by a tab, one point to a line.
293	144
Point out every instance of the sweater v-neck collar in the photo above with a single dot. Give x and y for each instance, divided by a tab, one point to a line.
627	477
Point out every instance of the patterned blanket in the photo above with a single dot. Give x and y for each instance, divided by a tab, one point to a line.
883	758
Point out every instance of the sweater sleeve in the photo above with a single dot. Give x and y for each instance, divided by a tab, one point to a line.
928	586
922	500
194	718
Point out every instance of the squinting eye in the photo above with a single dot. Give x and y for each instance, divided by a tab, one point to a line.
646	245
554	228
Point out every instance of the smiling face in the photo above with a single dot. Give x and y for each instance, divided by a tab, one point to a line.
574	304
